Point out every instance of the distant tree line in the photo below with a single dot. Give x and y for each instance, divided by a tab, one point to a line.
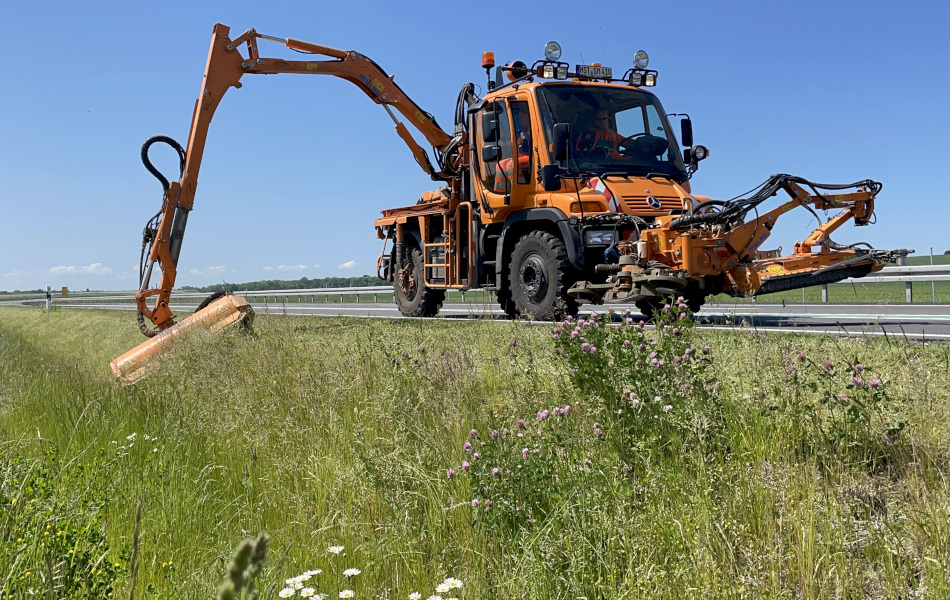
298	284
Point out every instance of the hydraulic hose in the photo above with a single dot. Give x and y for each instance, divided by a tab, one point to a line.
151	228
148	163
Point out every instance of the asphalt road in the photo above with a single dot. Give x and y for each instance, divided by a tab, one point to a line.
913	321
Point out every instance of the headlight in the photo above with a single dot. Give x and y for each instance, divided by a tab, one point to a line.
636	78
599	238
552	51
641	60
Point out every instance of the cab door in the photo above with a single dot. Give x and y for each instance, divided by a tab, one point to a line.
505	155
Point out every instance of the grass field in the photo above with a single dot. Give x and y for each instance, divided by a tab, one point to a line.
735	466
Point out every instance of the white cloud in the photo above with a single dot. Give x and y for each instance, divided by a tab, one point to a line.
291	267
93	269
268	268
15	274
350	264
316	266
208	271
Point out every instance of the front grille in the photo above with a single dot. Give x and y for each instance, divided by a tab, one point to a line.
638	205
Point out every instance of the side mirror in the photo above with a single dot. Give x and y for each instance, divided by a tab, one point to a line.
562	141
489	127
491	152
550	176
686	132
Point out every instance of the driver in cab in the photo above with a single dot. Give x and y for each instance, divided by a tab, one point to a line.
600	138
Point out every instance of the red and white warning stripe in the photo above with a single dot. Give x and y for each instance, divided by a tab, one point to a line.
598	185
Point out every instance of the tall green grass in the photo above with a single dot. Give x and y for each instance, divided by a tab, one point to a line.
326	432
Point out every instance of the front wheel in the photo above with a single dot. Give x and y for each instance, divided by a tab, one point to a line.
539	278
413	298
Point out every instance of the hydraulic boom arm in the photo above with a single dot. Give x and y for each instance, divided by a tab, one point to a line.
226	65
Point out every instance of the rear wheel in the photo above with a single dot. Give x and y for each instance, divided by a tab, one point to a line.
539	278
413	298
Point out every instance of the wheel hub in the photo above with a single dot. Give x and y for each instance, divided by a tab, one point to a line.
407	282
534	282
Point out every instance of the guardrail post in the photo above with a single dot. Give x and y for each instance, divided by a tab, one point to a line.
824	292
933	284
463	296
49	300
910	292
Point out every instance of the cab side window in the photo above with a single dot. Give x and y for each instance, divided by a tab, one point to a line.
521	118
494	147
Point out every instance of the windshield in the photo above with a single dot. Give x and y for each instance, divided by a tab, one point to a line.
613	130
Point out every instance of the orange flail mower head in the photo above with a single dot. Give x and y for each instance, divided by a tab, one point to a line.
138	362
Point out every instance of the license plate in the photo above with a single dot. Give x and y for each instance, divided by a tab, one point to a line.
595	72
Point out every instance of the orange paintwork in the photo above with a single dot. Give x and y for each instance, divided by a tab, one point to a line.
142	359
223	70
445	222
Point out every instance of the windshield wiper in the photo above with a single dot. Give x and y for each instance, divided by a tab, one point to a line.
669	176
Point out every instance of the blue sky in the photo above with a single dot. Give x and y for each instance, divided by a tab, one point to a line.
296	168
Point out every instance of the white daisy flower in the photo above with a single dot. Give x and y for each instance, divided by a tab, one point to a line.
435	598
303	577
453	583
313	572
415	596
297	585
335	549
351	572
307	592
347	593
442	588
287	592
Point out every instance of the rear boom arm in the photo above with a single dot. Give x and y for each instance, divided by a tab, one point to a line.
224	69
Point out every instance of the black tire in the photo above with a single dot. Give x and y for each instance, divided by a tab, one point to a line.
649	307
506	303
417	300
540	277
695	302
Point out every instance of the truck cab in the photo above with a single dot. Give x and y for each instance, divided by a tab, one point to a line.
562	165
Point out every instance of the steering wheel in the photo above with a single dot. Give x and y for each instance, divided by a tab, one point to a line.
626	145
642	145
628	141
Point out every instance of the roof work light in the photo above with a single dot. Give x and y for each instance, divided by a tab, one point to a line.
552	51
641	60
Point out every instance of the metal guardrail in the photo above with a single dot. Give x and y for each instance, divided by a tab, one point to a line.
896	274
185	295
906	274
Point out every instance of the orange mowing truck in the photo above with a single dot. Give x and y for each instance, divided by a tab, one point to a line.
562	185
